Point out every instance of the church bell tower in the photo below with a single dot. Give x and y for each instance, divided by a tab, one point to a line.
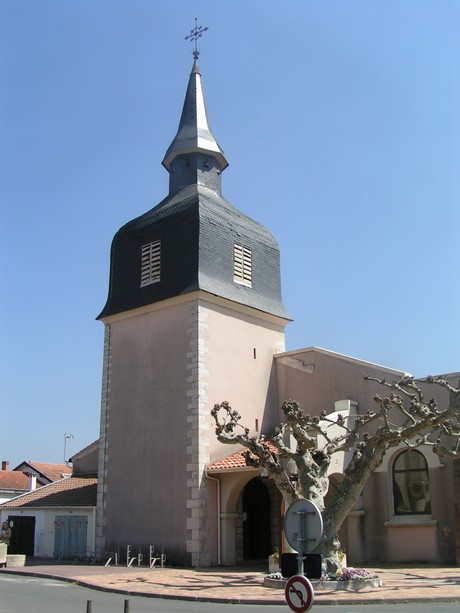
193	317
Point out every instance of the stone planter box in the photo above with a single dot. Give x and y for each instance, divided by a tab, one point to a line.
273	564
15	560
357	585
3	550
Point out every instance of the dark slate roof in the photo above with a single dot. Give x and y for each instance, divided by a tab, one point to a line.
197	228
68	492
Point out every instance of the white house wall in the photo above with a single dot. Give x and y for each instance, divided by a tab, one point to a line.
45	527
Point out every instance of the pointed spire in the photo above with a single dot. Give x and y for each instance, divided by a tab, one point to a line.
194	134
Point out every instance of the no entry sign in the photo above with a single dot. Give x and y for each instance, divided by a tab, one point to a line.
299	593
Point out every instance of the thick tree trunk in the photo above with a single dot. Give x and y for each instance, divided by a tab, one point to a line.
329	550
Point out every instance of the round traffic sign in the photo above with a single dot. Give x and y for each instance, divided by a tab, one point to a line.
303	526
299	593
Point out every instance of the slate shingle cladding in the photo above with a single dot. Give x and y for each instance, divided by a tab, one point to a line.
197	228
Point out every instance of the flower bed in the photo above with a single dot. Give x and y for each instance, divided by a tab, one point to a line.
350	579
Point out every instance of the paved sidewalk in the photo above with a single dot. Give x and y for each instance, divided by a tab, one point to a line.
245	584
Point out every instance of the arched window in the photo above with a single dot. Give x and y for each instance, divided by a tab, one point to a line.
411	486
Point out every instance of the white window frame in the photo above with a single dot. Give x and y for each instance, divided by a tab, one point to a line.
415	519
242	265
150	263
421	486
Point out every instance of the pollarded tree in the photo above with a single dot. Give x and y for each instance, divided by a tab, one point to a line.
402	417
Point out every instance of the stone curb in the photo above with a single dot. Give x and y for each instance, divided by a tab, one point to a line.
101	588
249	601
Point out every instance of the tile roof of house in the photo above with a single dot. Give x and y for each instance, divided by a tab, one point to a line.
14	480
53	472
235	461
68	492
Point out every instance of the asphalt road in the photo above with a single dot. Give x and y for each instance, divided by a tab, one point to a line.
35	595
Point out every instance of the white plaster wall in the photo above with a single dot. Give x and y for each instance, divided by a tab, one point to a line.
44	527
8	496
40	547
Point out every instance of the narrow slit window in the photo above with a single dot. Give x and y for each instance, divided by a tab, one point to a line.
242	265
150	265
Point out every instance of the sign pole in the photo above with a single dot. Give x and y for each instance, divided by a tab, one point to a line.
302	537
303	527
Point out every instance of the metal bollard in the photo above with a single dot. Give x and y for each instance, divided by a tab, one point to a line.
126	609
89	606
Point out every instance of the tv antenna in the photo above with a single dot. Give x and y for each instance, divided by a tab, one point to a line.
67	437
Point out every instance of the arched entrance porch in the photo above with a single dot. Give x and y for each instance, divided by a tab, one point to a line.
250	517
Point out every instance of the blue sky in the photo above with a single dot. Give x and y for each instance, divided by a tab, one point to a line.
341	123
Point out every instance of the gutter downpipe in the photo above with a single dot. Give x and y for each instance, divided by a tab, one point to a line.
218	514
93	544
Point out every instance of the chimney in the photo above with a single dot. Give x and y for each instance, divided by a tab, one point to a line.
32	482
5	465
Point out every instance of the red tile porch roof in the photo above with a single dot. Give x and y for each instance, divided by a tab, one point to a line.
236	461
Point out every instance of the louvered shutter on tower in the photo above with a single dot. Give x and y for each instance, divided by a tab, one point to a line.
150	267
242	265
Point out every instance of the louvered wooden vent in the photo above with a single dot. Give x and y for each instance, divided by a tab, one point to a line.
242	265
150	269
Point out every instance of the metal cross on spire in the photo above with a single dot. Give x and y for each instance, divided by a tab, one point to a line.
194	35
